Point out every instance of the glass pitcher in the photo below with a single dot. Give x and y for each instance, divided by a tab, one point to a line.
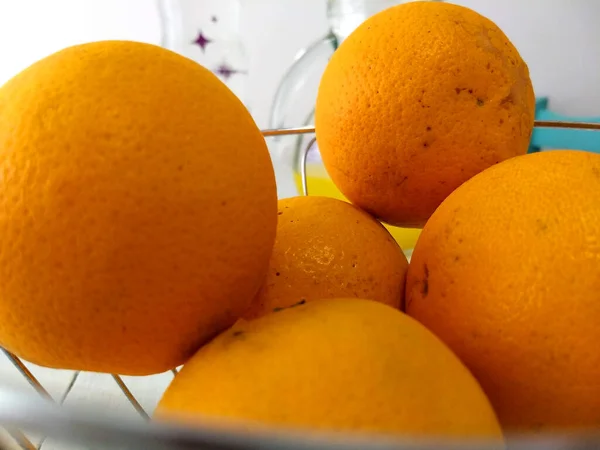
208	32
294	102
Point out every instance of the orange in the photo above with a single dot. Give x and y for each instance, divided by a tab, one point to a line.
347	365
319	183
507	273
328	248
418	99
138	209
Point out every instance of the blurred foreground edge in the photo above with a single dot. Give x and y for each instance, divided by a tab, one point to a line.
104	431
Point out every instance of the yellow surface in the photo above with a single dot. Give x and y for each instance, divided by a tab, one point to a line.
329	248
507	273
319	183
339	364
138	209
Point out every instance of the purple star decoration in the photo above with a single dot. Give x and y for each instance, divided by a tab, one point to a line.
225	71
202	41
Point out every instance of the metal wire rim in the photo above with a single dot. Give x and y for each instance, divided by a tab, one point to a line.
86	426
310	129
538	124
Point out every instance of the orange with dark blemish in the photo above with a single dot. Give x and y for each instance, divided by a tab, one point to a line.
327	248
511	261
332	365
417	100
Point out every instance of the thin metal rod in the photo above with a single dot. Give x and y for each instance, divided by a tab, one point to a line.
285	131
33	381
21	440
562	124
69	387
538	123
130	397
304	157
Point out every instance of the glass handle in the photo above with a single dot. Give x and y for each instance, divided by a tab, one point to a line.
171	21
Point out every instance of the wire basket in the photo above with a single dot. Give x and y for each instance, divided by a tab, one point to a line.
38	413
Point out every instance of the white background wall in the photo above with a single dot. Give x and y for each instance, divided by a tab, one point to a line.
560	39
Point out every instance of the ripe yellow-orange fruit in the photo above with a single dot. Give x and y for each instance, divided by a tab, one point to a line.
328	248
507	273
417	100
333	365
138	209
